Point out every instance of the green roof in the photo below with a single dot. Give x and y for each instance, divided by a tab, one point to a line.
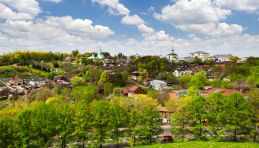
172	53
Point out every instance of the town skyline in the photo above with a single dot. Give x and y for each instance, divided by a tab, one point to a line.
130	27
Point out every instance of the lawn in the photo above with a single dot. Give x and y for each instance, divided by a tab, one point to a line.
198	144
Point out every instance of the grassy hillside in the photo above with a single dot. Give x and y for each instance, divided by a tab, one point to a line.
21	71
198	144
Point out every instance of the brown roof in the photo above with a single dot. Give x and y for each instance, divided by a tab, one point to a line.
163	109
215	90
133	88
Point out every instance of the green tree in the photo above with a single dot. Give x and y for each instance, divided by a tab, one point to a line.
254	103
82	121
44	124
133	126
64	122
104	78
101	123
8	133
216	114
253	78
237	115
25	130
199	80
197	116
142	74
87	93
77	81
119	120
107	88
150	124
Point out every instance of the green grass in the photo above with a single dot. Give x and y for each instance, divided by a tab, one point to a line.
21	71
199	144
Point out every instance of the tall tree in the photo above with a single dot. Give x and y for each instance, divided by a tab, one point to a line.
151	124
25	130
101	120
82	121
64	122
8	133
119	120
237	115
254	103
197	116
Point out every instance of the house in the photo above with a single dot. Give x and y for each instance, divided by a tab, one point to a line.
221	58
242	87
60	77
165	114
177	94
5	92
158	85
201	55
178	73
37	82
16	81
210	90
132	90
172	57
103	55
135	75
61	80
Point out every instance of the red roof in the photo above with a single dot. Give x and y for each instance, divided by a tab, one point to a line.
133	88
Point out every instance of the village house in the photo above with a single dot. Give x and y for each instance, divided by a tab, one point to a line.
135	75
165	114
37	82
178	73
158	85
6	91
132	90
177	94
61	80
208	90
221	58
16	81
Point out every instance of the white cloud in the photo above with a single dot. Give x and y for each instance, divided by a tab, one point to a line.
137	21
114	6
192	12
199	16
79	26
239	5
54	1
8	13
23	6
145	29
132	20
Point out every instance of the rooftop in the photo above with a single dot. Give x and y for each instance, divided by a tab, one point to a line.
199	52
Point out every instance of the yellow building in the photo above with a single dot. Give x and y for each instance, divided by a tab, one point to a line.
200	55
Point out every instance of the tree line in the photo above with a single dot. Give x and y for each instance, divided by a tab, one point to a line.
87	121
216	117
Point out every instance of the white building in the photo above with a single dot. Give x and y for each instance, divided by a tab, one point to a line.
179	73
222	57
37	82
172	57
158	84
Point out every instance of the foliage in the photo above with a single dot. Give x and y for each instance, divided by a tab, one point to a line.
199	80
87	93
104	78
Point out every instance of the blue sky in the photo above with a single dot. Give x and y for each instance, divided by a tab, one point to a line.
131	26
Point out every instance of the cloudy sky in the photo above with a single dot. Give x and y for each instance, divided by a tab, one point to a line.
131	26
